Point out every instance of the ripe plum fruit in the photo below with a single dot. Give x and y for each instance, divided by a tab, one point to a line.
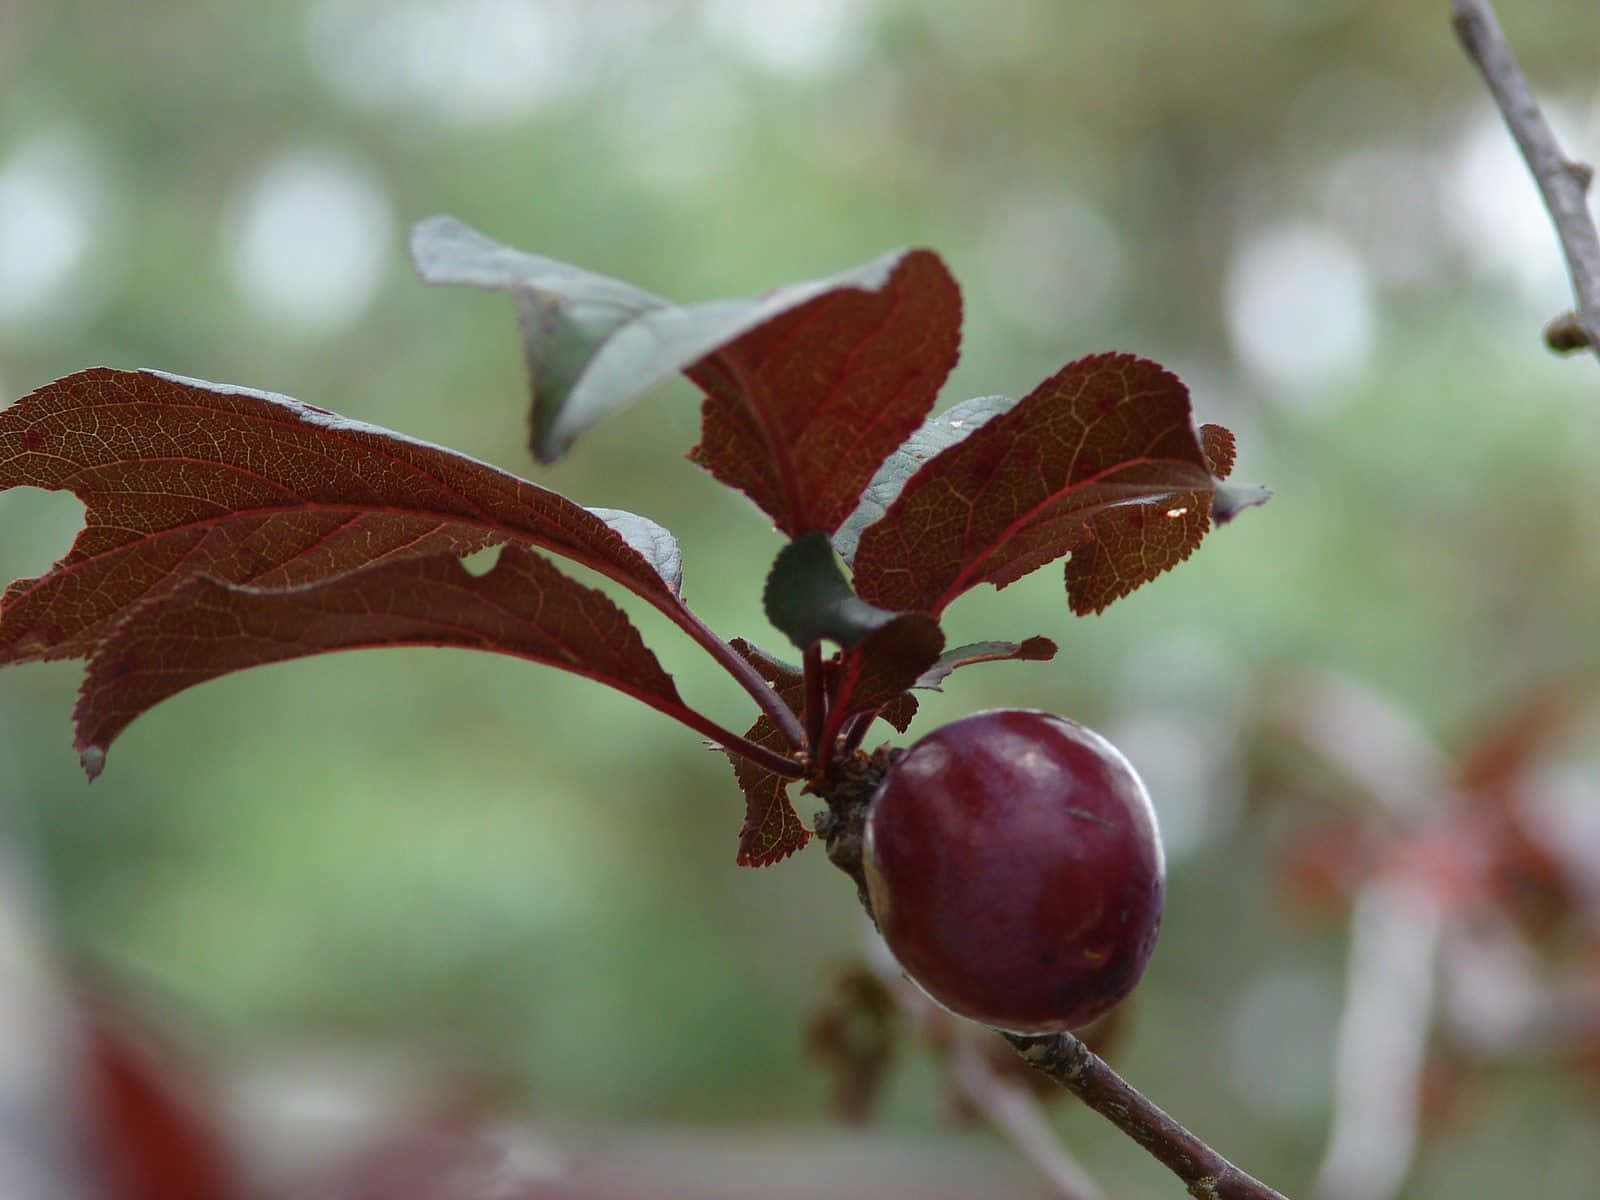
1014	868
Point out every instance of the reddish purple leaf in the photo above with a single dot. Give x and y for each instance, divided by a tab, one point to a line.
1101	460
800	411
900	711
936	434
151	1128
1034	649
205	628
772	829
182	478
1217	443
878	670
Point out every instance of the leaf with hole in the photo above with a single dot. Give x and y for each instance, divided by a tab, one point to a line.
206	628
183	478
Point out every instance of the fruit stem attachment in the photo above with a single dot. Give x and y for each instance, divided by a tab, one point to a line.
854	732
848	788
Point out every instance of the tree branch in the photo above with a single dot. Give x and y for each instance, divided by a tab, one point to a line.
1089	1077
1563	182
1061	1056
1016	1114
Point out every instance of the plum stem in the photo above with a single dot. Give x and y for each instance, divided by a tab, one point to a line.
1563	183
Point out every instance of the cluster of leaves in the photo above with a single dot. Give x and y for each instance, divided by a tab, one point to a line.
227	528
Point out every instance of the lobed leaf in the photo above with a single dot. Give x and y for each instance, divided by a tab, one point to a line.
205	628
183	478
772	829
1101	461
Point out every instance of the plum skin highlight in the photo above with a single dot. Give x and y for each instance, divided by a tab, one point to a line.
1015	870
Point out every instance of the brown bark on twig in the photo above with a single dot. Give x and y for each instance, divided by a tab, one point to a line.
1089	1077
1015	1113
1563	182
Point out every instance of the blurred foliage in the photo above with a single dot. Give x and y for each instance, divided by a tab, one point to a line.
478	858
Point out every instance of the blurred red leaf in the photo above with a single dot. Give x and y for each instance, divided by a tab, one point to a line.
800	411
152	1134
1101	460
183	478
1511	741
854	1035
772	829
206	628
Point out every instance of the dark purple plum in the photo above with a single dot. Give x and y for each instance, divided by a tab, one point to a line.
1015	870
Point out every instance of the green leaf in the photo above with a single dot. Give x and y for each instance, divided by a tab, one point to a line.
808	599
653	543
567	316
594	344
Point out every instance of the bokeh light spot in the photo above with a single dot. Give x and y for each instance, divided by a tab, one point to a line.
1300	308
308	237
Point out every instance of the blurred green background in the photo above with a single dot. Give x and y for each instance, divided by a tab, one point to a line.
1304	207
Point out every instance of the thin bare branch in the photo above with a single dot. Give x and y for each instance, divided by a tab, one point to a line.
1017	1115
1563	182
1206	1174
